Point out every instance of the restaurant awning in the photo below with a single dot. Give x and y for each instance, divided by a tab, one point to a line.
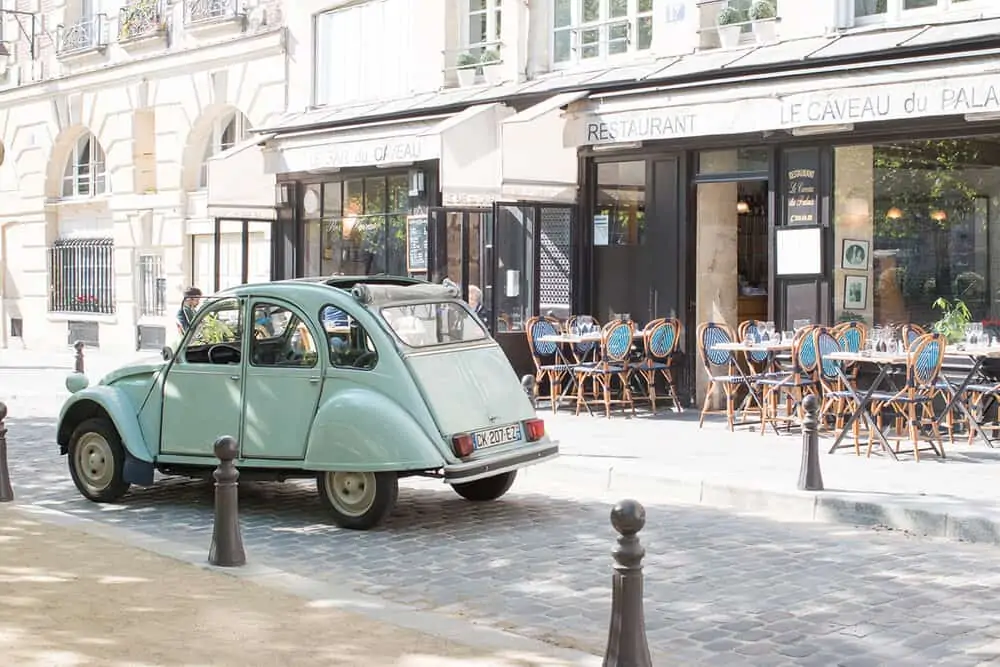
536	163
823	102
467	144
238	185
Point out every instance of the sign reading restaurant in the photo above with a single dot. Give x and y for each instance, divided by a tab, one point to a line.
860	104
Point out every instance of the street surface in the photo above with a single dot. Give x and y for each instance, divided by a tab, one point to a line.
721	589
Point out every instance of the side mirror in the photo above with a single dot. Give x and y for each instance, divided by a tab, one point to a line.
167	353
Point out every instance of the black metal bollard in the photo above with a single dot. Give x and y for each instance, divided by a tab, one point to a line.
627	646
6	491
78	360
227	542
810	477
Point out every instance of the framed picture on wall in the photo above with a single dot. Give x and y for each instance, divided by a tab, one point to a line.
857	255
855	292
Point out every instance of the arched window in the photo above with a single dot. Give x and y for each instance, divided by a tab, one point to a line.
227	131
85	174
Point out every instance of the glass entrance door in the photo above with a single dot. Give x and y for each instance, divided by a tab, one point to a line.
461	246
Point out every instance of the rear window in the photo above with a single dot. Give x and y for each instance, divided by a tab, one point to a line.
429	324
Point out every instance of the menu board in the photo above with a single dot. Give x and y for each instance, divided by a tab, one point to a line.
416	244
801	188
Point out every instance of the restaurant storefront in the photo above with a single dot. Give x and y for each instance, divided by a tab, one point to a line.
864	196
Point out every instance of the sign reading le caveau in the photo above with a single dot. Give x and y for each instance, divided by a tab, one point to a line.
859	104
362	153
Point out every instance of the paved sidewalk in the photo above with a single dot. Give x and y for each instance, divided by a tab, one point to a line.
955	498
72	598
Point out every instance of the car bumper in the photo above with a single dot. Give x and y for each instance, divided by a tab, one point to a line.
461	473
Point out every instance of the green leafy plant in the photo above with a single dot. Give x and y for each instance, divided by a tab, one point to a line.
213	330
728	16
490	57
954	316
467	61
847	316
762	10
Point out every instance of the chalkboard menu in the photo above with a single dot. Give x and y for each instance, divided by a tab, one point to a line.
416	244
801	187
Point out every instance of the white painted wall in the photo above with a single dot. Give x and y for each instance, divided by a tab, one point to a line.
189	85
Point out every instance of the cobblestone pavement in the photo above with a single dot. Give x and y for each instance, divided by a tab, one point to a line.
720	589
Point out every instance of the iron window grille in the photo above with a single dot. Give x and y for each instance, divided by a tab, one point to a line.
152	286
81	276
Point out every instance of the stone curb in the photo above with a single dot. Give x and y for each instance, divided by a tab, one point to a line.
927	516
378	610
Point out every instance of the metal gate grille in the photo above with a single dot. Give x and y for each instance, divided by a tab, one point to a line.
554	264
82	276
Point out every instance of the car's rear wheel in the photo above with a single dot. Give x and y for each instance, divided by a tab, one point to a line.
358	500
486	489
97	461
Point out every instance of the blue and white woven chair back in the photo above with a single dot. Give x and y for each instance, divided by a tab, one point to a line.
617	341
826	344
851	337
756	356
713	334
925	357
580	326
805	353
660	342
539	329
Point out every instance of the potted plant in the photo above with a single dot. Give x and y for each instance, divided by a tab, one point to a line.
728	24
492	66
467	68
954	316
762	17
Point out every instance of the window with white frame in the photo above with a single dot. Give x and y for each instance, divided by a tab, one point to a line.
481	27
866	11
595	29
85	174
227	131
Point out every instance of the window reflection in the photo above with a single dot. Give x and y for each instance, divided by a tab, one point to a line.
926	213
620	216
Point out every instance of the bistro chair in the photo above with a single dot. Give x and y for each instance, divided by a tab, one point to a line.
731	380
912	332
914	403
616	345
852	337
584	351
794	384
760	361
659	342
835	393
549	366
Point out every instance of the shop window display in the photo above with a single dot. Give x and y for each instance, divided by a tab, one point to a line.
917	221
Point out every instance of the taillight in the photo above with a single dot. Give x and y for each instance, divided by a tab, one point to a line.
462	444
534	430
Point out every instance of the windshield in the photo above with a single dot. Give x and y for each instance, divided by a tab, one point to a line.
428	324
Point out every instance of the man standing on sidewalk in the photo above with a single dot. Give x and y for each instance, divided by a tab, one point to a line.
189	306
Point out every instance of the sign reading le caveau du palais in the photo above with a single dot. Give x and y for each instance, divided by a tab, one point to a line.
860	104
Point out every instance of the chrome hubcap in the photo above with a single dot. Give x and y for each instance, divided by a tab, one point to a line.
95	463
352	493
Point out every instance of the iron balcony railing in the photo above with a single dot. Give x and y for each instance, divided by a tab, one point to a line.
201	12
87	34
82	276
139	19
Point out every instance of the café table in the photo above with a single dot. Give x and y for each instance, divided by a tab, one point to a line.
772	348
885	361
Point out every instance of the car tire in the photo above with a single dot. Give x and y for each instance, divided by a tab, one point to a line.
358	500
486	489
97	461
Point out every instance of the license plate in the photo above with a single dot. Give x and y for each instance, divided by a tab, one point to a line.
496	436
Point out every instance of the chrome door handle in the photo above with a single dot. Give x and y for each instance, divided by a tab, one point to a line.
314	380
234	378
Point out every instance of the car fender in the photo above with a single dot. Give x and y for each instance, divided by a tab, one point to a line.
359	429
101	401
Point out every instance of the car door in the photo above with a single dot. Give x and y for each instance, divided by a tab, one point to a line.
284	380
203	390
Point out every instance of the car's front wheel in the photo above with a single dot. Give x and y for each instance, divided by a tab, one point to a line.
488	488
358	500
97	461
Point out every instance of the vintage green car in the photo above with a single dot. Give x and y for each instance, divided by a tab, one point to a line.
356	381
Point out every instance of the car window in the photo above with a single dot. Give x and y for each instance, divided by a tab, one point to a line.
216	338
280	338
428	324
349	343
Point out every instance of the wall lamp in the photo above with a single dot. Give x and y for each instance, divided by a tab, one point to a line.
19	16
